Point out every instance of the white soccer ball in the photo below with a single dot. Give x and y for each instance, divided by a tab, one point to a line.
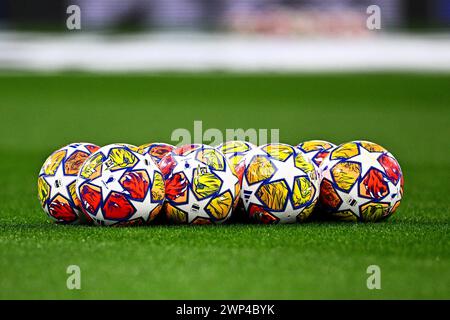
117	185
56	183
362	181
201	185
280	184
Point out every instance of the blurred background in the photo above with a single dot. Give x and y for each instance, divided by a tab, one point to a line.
275	35
259	16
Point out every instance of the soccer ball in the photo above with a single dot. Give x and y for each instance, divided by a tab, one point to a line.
316	150
280	184
156	150
119	186
201	185
56	183
362	181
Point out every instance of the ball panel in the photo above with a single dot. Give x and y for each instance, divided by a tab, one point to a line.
278	151
306	213
234	147
120	158
211	158
167	164
73	164
259	214
43	191
373	185
303	192
315	145
259	169
345	151
219	207
201	221
156	150
273	195
328	195
205	184
239	170
154	213
187	149
394	208
234	160
91	198
61	209
402	182
158	188
374	211
372	147
91	147
175	215
52	163
319	157
73	194
303	163
92	168
136	183
345	174
391	167
237	191
117	207
176	188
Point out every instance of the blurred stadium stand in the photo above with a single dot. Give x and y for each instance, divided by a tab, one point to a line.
261	15
246	35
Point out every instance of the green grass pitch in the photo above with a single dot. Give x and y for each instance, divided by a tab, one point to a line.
406	113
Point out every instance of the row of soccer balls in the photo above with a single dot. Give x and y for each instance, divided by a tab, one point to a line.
121	184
